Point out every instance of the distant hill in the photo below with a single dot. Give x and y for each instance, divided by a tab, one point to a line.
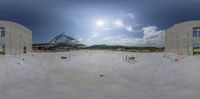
125	48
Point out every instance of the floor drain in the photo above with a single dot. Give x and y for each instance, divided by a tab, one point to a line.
63	57
101	75
176	60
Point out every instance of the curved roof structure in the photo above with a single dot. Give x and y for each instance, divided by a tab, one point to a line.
10	23
185	25
63	39
183	37
15	38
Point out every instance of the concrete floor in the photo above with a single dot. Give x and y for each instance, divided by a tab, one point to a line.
99	75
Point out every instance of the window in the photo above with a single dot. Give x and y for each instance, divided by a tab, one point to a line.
196	31
196	45
2	32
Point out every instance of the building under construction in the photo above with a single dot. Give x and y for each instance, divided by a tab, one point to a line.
61	42
15	39
183	38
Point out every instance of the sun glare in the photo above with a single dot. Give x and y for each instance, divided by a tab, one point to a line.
100	23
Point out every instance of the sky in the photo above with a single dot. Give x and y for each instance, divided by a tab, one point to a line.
112	22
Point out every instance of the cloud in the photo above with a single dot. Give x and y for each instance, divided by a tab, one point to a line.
118	40
129	28
119	23
152	37
131	15
94	35
107	28
80	39
112	24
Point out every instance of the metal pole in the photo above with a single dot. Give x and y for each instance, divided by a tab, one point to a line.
20	45
20	49
177	46
188	43
31	48
10	44
69	55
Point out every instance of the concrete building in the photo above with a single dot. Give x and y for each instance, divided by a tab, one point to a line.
183	38
15	39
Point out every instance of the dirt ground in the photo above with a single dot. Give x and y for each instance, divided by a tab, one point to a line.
99	75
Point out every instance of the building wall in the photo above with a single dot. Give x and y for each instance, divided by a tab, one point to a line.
179	38
16	38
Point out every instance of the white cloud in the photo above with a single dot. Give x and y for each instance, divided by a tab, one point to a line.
100	23
152	37
131	15
129	28
80	39
118	40
94	35
107	28
119	23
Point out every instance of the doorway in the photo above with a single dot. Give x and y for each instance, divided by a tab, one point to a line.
2	49
196	49
24	49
